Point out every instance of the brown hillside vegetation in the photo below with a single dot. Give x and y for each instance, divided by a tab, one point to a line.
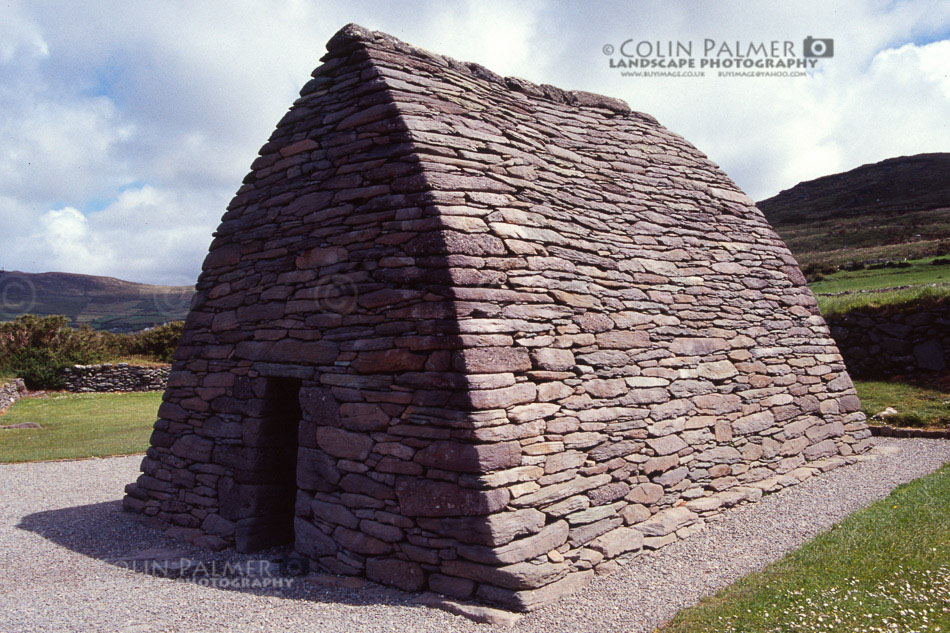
102	302
896	209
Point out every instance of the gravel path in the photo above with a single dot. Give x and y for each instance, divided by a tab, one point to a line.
60	526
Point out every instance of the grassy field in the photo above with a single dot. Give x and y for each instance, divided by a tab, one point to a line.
918	273
926	281
79	425
886	568
916	406
906	299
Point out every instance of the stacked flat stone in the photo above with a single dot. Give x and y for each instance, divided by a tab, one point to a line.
884	342
115	377
533	331
11	391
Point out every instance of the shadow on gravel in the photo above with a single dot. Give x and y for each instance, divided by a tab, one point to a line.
104	532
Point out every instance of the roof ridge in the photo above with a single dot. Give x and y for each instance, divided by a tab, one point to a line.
354	33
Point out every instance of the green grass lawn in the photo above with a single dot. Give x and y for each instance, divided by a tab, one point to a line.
916	406
928	283
79	425
886	568
907	299
920	272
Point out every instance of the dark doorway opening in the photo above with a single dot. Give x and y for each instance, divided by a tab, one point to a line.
278	444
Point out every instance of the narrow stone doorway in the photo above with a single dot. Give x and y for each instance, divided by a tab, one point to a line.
278	468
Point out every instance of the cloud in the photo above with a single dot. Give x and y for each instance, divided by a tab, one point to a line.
145	234
65	236
19	36
120	150
900	105
55	152
506	33
769	134
887	99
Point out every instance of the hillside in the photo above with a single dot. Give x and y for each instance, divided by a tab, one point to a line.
895	185
872	236
896	209
105	303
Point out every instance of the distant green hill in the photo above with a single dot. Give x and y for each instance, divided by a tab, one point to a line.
105	303
872	236
896	209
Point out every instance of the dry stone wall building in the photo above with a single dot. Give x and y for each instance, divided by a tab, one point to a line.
464	333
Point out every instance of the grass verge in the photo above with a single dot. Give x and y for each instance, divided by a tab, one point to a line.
885	568
916	406
921	272
78	425
141	361
909	299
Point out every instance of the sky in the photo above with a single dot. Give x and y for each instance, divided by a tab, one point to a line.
126	127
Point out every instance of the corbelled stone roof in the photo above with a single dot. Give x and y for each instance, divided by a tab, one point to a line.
356	34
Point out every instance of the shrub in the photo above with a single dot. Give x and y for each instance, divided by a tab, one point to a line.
38	348
816	271
158	342
39	368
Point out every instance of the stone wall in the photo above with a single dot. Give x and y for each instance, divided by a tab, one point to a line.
889	342
115	377
10	392
897	431
463	333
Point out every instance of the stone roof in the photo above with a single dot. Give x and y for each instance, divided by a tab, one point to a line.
355	34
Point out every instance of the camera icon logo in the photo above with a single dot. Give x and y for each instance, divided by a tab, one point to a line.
818	47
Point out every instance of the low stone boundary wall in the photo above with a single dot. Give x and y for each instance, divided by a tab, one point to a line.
884	342
10	392
896	431
117	377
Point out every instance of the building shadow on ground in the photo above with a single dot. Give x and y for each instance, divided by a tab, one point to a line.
105	532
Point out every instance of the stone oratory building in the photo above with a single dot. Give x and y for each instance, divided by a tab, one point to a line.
462	333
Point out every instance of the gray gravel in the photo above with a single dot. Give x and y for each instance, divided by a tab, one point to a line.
61	528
